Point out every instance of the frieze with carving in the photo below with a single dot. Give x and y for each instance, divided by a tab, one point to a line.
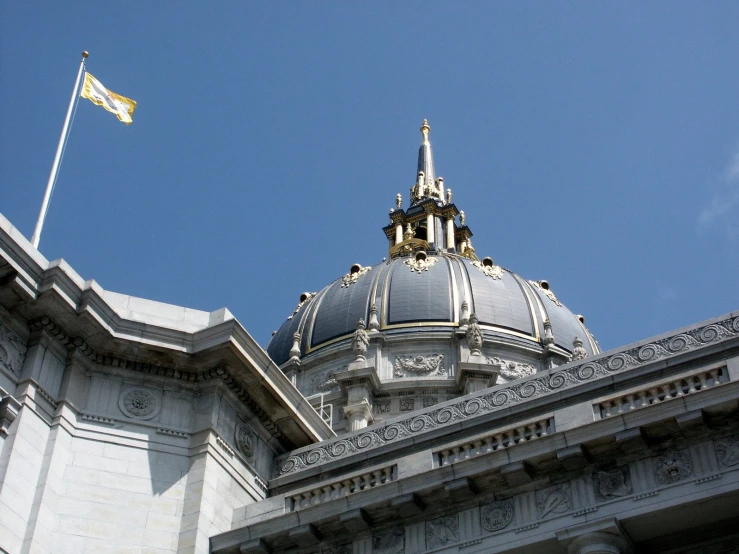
539	285
419	365
554	500
542	384
494	271
727	451
511	371
353	276
12	350
421	264
615	483
672	466
442	530
496	515
389	542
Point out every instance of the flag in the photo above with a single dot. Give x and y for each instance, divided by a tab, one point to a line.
121	106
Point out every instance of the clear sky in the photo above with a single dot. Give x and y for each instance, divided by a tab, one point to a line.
592	144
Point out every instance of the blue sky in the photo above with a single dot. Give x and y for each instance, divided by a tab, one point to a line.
592	144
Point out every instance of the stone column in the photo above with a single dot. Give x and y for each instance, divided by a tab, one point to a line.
450	232
430	228
398	233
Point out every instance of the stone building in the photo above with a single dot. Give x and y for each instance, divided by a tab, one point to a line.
432	402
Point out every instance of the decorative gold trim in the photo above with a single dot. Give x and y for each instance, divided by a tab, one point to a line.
420	265
408	246
547	292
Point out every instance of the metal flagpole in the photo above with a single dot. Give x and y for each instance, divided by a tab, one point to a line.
55	166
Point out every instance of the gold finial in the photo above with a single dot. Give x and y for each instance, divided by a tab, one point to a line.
425	130
85	53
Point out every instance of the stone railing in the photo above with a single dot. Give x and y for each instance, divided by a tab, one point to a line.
500	439
339	489
660	391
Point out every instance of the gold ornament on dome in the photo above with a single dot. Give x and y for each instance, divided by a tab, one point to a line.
353	276
543	286
420	264
494	271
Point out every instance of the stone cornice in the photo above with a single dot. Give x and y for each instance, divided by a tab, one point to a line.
86	317
720	333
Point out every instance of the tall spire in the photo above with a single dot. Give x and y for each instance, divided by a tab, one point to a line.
426	158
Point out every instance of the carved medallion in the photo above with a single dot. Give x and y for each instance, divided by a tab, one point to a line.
511	371
672	466
421	264
727	451
496	515
139	403
494	271
353	276
245	440
554	500
441	531
389	542
432	364
615	483
12	351
547	291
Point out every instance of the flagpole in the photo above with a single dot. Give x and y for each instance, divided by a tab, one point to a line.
55	166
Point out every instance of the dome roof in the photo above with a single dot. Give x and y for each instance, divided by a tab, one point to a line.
425	292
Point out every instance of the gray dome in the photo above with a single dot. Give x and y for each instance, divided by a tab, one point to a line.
428	296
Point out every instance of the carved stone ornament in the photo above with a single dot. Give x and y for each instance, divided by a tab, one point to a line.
554	500
245	440
442	530
139	403
511	371
543	384
389	542
352	277
399	201
672	466
407	404
615	483
474	336
578	352
494	271
547	291
727	451
382	407
12	351
360	341
325	382
496	515
430	401
421	264
432	364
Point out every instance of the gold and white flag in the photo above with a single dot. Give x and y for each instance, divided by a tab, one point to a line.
122	107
